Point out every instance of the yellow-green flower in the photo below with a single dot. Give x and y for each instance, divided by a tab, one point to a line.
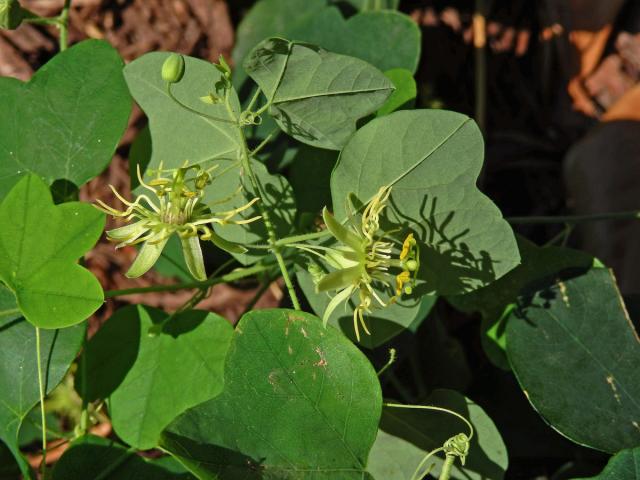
176	209
367	262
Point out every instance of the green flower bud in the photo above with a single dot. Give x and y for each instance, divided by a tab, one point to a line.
173	68
411	265
11	14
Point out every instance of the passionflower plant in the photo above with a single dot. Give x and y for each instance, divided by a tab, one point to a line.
366	261
176	209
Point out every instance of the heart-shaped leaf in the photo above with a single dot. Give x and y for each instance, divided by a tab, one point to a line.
625	465
67	121
154	378
19	390
96	457
406	436
575	353
40	244
431	159
285	375
316	96
385	39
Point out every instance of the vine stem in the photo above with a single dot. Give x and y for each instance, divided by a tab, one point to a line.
63	25
574	219
266	217
229	277
43	418
445	473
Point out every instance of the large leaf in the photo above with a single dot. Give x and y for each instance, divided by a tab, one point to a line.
316	96
66	122
178	135
300	401
40	244
309	175
496	300
154	378
19	390
406	436
431	159
625	465
575	353
384	323
97	457
384	39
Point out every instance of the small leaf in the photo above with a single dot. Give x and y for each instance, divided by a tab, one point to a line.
405	93
283	358
575	353
316	96
40	244
153	379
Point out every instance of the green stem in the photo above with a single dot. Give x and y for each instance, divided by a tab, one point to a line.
392	359
193	110
229	277
43	418
574	219
445	473
435	409
416	474
63	25
302	238
266	217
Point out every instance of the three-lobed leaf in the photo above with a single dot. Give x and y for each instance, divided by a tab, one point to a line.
40	244
316	96
66	122
431	159
300	401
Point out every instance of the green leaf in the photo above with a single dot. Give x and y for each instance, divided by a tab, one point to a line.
575	353
406	436
316	96
97	457
40	244
153	379
285	375
371	5
178	135
625	465
19	390
309	175
66	122
495	301
405	93
385	39
384	323
431	159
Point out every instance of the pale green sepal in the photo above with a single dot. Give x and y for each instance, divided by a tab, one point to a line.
193	257
339	279
149	253
226	245
342	233
128	232
341	296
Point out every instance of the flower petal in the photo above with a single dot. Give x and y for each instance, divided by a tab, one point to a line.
149	253
128	232
193	256
342	233
226	245
339	279
341	296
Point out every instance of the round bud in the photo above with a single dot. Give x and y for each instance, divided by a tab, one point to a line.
173	68
408	290
411	265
